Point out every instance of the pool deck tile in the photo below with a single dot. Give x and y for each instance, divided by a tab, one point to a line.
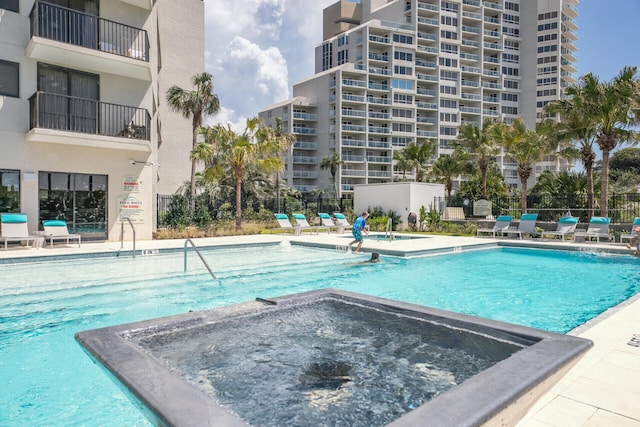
601	389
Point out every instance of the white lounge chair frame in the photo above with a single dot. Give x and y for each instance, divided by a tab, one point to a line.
527	225
15	229
284	223
58	230
501	225
566	227
342	223
302	224
598	228
628	236
326	221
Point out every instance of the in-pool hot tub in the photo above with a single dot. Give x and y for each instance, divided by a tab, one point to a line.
331	358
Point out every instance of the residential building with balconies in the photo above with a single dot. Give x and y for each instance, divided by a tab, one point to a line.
392	72
85	132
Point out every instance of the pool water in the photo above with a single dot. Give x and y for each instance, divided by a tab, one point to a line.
48	380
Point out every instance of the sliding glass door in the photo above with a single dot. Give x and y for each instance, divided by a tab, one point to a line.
79	199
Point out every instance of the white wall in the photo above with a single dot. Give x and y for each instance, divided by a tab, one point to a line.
401	197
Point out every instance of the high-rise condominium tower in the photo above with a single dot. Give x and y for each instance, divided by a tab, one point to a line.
390	72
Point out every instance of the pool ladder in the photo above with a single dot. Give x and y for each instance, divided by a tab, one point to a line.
195	248
388	229
122	235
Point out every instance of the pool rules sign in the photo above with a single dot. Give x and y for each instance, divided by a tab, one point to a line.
130	204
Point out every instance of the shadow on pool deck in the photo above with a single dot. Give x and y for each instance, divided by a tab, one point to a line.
602	389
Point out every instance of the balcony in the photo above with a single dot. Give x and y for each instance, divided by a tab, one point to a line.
79	40
70	120
301	130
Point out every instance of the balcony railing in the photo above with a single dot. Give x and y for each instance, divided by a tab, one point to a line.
72	114
82	29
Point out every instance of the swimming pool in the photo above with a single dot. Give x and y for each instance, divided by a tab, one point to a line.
50	381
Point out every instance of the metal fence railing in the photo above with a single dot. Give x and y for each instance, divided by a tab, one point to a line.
623	208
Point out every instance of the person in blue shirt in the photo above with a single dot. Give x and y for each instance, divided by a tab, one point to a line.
358	227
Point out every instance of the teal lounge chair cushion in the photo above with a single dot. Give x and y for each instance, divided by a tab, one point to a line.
298	216
14	218
599	220
339	215
504	218
324	216
54	223
281	216
529	217
569	220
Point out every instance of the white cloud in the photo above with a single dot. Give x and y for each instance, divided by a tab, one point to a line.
255	50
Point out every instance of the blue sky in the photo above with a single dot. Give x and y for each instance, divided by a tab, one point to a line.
257	49
608	36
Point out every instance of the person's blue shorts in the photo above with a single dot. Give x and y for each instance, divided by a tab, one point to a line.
357	234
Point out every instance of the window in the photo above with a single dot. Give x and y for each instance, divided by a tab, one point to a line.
547	59
401	141
402	84
401	98
448	131
547	81
342	40
510	110
449	35
449	75
451	7
448	62
509	57
402	112
546	27
449	103
511	84
449	117
404	56
548	37
449	20
343	57
511	45
513	32
448	48
511	6
449	90
327	60
509	97
9	79
548	70
407	71
511	19
548	15
509	71
549	48
12	5
401	38
402	127
547	92
9	190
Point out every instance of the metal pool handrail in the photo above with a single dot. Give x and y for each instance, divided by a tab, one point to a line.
199	254
388	229
122	234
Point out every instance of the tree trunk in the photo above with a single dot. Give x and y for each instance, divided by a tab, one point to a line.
483	174
590	196
523	195
194	141
604	184
238	204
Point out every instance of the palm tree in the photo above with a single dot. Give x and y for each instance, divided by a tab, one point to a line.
402	162
415	157
332	163
576	128
525	147
480	145
446	168
613	106
241	155
194	104
283	141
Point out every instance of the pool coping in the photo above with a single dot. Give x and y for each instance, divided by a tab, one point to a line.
502	393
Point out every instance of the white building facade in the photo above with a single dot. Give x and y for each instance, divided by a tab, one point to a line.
392	72
85	132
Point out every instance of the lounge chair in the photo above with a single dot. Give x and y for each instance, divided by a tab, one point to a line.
14	229
527	225
342	222
501	225
57	230
302	224
566	227
326	221
284	223
598	228
634	231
